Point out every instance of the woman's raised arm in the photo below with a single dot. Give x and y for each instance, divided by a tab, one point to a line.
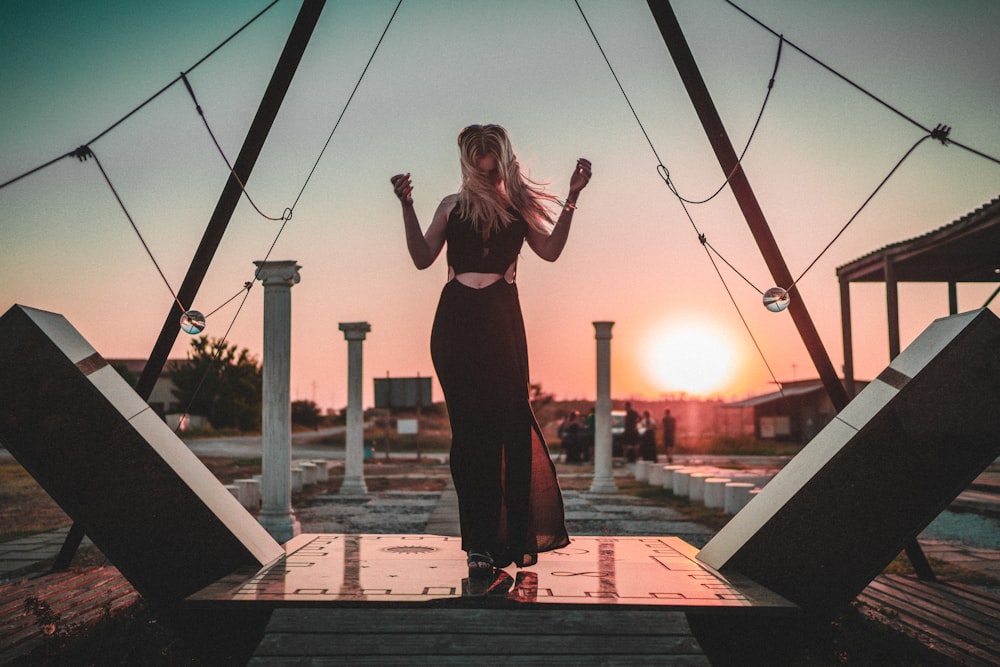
550	247
424	248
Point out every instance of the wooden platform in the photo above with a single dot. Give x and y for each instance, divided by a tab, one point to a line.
408	599
955	620
390	570
550	636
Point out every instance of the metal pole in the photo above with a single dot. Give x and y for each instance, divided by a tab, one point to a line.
687	68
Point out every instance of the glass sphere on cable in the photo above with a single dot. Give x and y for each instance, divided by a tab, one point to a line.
192	322
776	299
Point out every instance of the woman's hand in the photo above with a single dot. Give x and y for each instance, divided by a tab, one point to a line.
403	187
578	181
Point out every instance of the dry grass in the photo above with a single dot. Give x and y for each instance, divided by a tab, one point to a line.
25	508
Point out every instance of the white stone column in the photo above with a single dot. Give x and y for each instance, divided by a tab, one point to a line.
603	481
354	447
276	513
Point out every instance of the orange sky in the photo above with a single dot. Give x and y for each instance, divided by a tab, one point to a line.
632	257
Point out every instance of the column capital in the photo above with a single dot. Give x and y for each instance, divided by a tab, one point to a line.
602	330
281	272
355	330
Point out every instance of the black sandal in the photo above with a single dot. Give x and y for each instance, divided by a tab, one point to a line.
480	564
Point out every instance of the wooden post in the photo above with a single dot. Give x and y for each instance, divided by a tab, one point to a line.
697	90
288	62
845	328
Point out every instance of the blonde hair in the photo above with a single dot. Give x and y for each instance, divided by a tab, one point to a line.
480	201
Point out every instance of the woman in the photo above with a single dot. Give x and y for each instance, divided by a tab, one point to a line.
510	505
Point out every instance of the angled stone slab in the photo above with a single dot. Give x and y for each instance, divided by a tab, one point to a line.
114	467
889	463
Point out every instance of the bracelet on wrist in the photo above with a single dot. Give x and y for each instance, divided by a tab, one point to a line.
570	206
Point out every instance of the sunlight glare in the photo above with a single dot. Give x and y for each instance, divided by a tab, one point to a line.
694	358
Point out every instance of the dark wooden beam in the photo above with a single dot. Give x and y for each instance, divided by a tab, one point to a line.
284	71
701	99
281	78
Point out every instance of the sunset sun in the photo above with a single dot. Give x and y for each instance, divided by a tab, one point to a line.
693	357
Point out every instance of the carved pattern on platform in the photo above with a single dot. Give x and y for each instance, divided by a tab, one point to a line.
648	571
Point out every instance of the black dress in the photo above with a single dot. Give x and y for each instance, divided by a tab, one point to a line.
510	504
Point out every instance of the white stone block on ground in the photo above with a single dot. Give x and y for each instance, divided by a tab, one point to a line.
233	489
297	484
682	481
757	479
696	486
715	492
249	495
308	472
322	470
641	471
737	495
668	476
655	474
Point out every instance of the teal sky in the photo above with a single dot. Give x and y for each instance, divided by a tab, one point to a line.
72	69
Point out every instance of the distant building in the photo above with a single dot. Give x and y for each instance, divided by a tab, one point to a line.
964	251
795	414
162	399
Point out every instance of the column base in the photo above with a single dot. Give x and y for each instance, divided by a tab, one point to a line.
354	487
603	486
281	526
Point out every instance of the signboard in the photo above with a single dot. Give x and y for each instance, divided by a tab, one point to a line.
403	392
406	426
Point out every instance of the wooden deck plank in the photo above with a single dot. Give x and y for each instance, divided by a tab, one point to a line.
929	636
464	661
488	644
957	621
478	636
555	621
966	600
78	598
53	588
942	614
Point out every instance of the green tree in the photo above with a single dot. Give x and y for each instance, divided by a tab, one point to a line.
305	413
221	383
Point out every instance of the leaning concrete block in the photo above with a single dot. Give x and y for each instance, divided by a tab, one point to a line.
875	476
114	466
